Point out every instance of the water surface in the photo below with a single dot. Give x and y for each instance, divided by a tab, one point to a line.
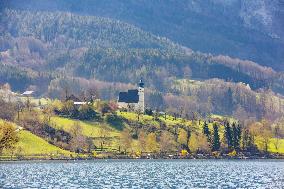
143	174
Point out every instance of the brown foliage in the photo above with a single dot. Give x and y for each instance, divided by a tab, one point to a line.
8	136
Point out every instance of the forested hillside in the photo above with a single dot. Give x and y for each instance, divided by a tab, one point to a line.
52	51
250	30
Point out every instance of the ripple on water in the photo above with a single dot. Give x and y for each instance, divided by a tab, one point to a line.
143	174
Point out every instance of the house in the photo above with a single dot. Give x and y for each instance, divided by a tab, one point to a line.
76	101
133	99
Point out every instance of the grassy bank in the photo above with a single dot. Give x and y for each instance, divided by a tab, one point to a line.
31	146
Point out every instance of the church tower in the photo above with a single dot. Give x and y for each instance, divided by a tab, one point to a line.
141	105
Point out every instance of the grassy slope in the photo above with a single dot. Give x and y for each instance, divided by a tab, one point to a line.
90	129
170	121
34	146
31	144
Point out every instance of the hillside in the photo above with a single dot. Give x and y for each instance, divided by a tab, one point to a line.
32	146
49	57
250	30
237	98
54	130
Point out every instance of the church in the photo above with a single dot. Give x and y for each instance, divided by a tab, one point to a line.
132	100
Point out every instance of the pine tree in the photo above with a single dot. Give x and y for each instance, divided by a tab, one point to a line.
216	138
228	135
237	132
247	141
206	131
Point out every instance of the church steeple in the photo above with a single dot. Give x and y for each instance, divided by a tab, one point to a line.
141	105
141	83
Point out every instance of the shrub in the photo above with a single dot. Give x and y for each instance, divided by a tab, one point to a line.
115	121
8	136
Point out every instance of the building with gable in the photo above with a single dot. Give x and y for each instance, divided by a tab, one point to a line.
132	100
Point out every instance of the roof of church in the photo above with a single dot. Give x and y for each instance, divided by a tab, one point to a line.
129	97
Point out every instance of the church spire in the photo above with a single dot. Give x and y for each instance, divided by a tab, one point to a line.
141	83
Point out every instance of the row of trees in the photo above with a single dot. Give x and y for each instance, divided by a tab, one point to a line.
215	137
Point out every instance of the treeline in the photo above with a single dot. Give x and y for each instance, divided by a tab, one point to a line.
184	97
17	78
226	98
215	138
235	138
21	79
158	64
81	112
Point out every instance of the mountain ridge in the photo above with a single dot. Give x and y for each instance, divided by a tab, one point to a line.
250	30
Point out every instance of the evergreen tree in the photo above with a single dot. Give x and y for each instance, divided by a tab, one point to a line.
248	141
216	138
206	131
228	135
237	132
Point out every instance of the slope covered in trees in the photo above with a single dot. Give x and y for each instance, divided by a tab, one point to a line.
49	50
243	29
185	96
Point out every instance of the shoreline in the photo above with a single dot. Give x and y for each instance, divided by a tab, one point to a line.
281	157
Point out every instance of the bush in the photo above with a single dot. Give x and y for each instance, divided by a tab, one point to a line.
86	112
115	121
232	154
82	112
8	136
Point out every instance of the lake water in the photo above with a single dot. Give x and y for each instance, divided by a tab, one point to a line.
143	174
